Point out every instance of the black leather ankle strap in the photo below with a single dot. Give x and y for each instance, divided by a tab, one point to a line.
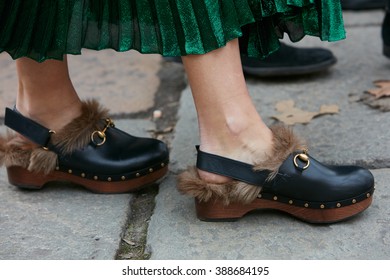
27	127
230	168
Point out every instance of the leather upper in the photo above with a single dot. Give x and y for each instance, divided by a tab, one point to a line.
318	183
120	155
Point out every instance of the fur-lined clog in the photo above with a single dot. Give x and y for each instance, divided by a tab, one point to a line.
289	180
89	151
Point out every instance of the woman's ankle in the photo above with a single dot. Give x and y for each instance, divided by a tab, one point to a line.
46	93
246	146
252	138
53	113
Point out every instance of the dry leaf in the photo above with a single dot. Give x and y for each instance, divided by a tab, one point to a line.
126	256
328	109
382	90
168	129
157	114
382	104
129	242
291	115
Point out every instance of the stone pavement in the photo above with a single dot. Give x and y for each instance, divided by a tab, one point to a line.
61	222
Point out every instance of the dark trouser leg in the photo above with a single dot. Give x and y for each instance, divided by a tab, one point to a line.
386	31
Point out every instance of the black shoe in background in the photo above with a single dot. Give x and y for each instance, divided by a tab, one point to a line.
362	4
386	31
289	61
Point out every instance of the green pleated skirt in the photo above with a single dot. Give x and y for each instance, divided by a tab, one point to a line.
48	29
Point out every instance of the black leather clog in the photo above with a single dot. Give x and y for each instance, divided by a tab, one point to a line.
89	151
302	187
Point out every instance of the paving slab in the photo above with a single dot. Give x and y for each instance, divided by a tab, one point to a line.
363	18
358	134
61	221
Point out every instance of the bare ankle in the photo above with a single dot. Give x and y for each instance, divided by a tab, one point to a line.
212	178
50	112
239	144
247	146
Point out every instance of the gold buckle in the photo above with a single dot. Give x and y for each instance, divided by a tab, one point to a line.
101	134
45	147
303	157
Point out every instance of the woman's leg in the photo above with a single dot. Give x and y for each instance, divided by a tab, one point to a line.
229	124
46	93
231	128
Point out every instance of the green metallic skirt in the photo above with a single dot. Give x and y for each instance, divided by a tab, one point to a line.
48	29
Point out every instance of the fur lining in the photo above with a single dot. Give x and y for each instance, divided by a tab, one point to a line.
15	150
77	133
191	184
284	143
42	161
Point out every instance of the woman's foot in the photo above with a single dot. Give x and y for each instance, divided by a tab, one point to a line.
243	166
229	123
88	151
289	180
64	139
243	143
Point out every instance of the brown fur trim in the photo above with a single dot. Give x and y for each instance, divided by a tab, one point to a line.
42	161
191	184
15	150
284	143
3	146
77	133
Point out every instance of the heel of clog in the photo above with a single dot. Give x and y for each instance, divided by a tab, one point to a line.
215	210
22	178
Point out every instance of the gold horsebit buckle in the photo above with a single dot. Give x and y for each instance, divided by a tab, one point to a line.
99	137
302	157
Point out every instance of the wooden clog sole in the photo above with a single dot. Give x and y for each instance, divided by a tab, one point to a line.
215	210
22	178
